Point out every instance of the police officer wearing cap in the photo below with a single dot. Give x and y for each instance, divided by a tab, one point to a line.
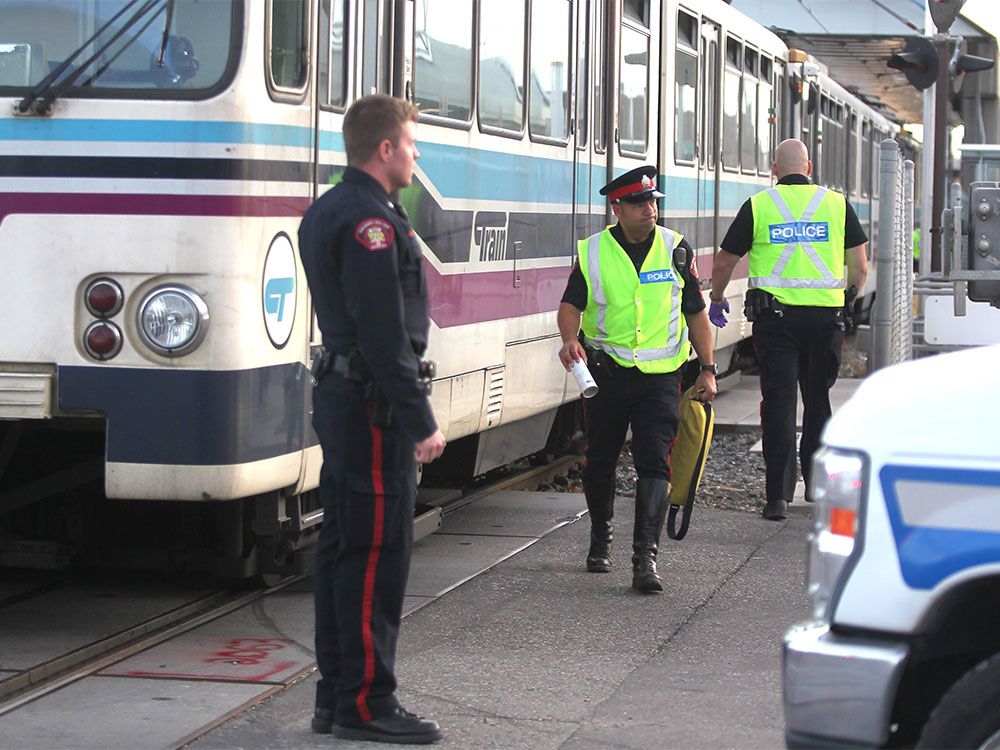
796	234
373	419
635	297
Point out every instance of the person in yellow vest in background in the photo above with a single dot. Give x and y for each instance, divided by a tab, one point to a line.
636	297
916	249
799	237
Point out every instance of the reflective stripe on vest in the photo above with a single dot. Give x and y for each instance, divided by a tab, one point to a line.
595	325
829	278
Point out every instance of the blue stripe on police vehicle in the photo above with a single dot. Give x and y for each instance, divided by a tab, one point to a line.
658	276
932	544
799	231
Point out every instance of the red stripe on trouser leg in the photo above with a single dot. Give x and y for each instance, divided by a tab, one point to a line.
369	590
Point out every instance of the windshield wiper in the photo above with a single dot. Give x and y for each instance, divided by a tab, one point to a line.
166	32
39	99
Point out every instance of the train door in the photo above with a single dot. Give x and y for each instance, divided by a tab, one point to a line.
708	175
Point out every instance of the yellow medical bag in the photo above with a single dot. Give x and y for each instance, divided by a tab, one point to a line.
687	459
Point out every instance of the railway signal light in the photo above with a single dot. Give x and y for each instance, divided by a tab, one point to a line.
962	63
944	13
918	61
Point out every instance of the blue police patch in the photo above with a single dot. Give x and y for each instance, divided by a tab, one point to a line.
656	277
799	231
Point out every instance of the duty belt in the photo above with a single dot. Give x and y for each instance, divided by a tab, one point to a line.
352	367
349	366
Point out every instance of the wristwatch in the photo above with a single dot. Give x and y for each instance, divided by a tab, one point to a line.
712	368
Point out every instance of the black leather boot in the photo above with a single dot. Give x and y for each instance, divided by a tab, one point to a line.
650	510
601	507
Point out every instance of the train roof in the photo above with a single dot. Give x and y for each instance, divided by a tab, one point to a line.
856	39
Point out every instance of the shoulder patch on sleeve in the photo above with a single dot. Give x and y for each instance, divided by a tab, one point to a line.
375	234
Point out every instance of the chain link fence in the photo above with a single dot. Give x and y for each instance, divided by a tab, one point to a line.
892	315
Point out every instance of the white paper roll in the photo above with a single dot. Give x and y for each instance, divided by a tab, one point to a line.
584	379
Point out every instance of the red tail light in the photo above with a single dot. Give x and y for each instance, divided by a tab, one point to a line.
104	298
102	340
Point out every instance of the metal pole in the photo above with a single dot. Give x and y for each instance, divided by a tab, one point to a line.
927	164
882	314
940	151
907	257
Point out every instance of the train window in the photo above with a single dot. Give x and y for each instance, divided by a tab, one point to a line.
733	52
866	158
636	10
548	98
501	64
687	30
783	127
851	184
633	92
287	25
442	51
332	53
195	60
877	137
581	77
685	114
599	70
748	125
750	62
711	97
731	121
765	127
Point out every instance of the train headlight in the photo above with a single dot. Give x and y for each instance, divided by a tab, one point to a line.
173	320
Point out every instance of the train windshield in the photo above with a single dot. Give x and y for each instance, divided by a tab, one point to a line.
117	47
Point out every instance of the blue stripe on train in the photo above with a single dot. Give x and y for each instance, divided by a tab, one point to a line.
928	555
456	171
194	417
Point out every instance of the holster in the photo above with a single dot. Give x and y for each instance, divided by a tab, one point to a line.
600	362
759	303
380	407
848	325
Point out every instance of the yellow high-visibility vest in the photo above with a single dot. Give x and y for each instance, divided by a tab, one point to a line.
635	317
798	245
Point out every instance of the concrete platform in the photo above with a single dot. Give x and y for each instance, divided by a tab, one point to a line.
739	407
536	653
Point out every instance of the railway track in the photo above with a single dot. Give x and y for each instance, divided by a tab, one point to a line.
23	686
54	673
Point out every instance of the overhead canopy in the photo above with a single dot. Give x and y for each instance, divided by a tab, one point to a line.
855	38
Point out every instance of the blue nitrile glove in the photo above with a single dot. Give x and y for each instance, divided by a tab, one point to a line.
716	313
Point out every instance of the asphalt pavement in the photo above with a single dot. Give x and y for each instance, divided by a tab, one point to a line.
510	643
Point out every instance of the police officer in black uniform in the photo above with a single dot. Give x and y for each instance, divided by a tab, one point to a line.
649	402
373	419
798	323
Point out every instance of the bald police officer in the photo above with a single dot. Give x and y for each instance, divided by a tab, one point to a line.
373	419
635	294
796	234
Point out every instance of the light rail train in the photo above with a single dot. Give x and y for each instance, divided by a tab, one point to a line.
157	156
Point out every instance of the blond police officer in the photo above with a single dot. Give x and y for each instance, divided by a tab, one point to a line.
796	234
636	297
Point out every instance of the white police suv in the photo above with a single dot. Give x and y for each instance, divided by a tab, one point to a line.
903	648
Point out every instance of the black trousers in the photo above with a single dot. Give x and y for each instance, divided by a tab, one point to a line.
799	350
649	403
368	490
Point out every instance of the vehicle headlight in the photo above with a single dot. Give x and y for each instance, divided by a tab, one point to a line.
173	320
838	479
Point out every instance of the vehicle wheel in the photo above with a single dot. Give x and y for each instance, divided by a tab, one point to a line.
968	716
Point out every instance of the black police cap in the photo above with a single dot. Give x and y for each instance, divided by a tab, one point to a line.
635	186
